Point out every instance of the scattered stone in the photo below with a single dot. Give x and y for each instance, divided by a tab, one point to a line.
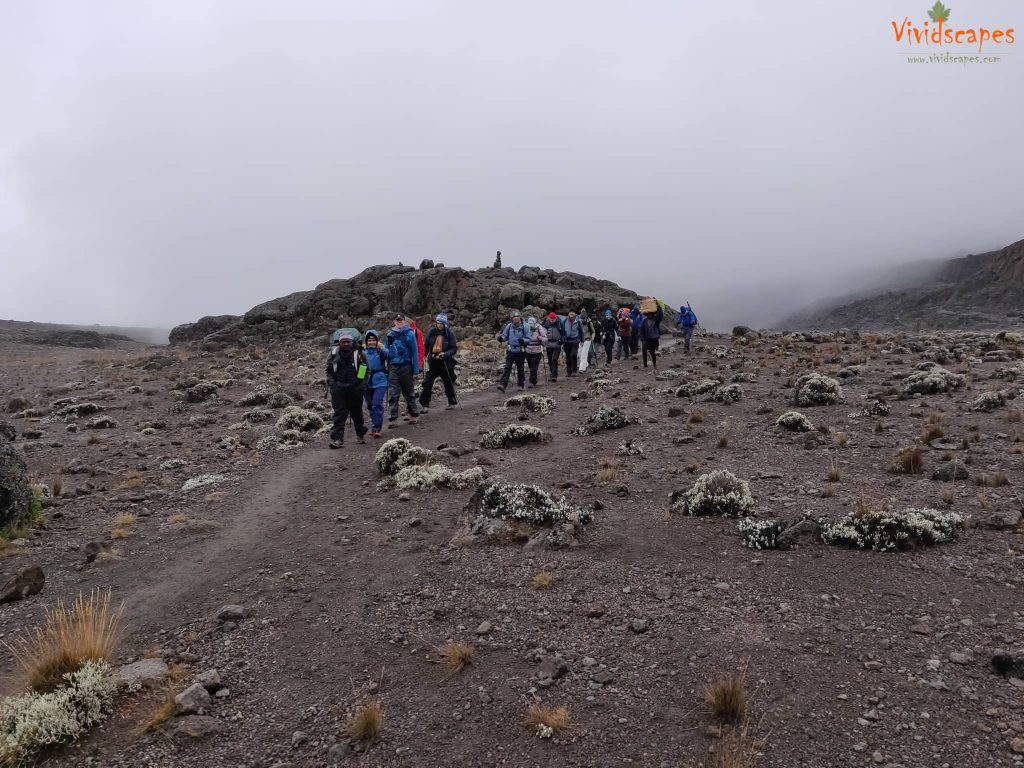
145	673
961	657
232	613
639	626
194	700
485	628
199	726
25	584
210	680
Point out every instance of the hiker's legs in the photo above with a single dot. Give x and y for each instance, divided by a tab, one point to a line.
409	391
572	349
534	361
427	392
609	347
340	403
354	400
375	405
553	355
634	342
520	359
445	372
643	349
506	371
687	335
394	392
652	347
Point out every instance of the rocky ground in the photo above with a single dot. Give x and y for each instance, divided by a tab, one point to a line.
345	590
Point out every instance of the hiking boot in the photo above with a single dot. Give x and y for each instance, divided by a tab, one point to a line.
375	435
361	440
521	387
413	420
424	409
393	417
501	388
450	406
336	444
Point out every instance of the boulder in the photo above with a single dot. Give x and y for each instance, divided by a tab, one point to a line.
427	264
803	532
194	700
199	726
26	583
7	431
145	673
15	489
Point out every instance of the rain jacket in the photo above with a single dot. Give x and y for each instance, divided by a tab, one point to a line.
402	348
687	319
538	339
514	336
651	327
377	361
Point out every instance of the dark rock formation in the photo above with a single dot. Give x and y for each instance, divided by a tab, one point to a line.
478	301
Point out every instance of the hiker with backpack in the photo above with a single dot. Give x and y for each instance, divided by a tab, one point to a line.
687	321
608	334
441	348
588	354
624	331
346	373
553	330
376	380
537	339
403	359
637	317
515	339
572	337
650	335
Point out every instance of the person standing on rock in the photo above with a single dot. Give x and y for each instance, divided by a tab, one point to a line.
514	337
572	337
537	339
347	369
624	331
650	335
376	380
609	332
442	346
687	321
553	330
403	357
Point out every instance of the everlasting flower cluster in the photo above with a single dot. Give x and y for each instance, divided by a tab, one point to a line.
885	531
32	722
173	464
702	387
930	378
850	372
257	415
794	421
398	453
259	395
815	389
300	419
201	481
715	493
514	434
760	534
729	393
988	401
428	476
876	408
605	418
514	501
534	403
200	392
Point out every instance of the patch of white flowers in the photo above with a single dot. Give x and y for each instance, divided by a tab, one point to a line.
929	378
300	419
514	501
815	389
697	388
876	408
201	481
988	401
715	493
545	731
259	395
429	476
514	434
630	448
398	453
729	393
885	531
605	418
32	722
760	534
534	403
794	421
173	464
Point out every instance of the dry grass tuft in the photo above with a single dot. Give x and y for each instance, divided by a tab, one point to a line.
828	491
125	519
365	725
842	439
161	714
723	441
134	479
179	517
878	428
456	656
908	461
542	580
948	494
834	474
727	698
557	719
994	480
57	485
86	631
735	750
607	474
695	418
933	432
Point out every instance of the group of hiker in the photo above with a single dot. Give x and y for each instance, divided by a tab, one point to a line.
379	371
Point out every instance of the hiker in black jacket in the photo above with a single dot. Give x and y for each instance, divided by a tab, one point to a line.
440	354
608	334
346	381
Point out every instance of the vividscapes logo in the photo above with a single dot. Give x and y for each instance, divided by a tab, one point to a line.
942	34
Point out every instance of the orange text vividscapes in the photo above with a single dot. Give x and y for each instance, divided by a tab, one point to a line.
949	35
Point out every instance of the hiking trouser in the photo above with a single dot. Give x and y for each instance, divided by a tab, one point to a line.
687	335
347	401
517	359
400	384
634	341
592	354
622	348
553	354
651	347
439	369
533	361
375	405
572	351
609	347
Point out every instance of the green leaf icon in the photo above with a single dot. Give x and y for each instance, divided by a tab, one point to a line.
939	12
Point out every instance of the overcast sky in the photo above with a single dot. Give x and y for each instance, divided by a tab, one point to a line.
160	161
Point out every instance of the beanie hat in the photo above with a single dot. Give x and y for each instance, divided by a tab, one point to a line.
607	313
531	320
552	316
441	317
516	313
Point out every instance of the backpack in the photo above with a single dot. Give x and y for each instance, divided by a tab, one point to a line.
554	334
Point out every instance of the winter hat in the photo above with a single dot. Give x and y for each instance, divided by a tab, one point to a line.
516	313
373	333
531	321
607	313
552	316
441	317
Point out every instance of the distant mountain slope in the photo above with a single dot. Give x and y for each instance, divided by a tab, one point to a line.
981	292
478	301
85	336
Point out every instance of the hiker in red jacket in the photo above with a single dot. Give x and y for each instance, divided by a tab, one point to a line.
420	346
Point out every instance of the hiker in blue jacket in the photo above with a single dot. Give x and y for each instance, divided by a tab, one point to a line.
572	337
404	364
637	319
440	349
376	380
687	320
516	340
650	335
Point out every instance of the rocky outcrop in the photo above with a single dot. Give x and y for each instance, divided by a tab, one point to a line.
980	292
477	301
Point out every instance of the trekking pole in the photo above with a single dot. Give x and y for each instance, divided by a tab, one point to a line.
445	372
